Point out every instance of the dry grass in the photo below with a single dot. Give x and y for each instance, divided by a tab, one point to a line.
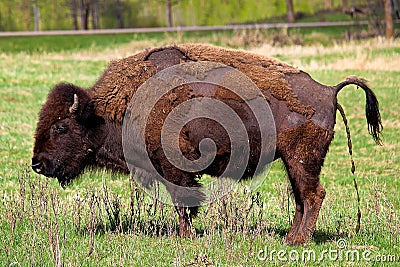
352	55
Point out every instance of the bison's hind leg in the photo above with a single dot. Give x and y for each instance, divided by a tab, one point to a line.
303	151
309	198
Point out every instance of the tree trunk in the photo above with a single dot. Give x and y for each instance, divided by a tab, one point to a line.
388	19
396	7
98	16
290	11
74	14
119	15
169	13
54	15
81	16
86	17
36	16
327	4
84	8
93	12
27	14
345	4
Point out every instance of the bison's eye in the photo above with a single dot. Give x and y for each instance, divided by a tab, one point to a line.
60	129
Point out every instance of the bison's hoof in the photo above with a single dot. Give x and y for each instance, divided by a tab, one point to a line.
296	240
187	233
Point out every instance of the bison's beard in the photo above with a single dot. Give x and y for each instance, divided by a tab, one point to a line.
65	174
64	181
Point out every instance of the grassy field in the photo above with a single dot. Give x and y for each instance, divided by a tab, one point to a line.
104	219
235	38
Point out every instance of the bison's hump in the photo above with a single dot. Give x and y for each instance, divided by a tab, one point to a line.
119	82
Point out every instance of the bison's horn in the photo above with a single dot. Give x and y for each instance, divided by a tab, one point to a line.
74	107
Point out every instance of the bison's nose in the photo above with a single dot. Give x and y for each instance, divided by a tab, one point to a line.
37	166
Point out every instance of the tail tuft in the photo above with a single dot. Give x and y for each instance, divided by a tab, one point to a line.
371	107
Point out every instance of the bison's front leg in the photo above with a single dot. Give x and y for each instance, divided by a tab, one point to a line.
185	222
186	196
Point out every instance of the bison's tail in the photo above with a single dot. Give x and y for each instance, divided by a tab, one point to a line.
371	108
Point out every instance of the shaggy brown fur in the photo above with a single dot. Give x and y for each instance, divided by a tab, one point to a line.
90	134
121	79
267	73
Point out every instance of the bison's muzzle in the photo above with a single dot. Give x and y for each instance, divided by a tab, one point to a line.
37	166
45	167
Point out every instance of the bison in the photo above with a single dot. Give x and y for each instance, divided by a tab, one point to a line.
81	128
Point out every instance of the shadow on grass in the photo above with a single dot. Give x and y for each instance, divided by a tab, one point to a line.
141	227
319	237
322	237
168	227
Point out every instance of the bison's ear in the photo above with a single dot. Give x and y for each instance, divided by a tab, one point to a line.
88	115
83	110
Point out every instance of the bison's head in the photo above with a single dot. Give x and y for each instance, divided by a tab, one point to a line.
66	133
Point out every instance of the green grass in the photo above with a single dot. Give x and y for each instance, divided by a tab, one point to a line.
42	224
34	44
99	42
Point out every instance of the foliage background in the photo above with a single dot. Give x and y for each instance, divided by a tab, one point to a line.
17	15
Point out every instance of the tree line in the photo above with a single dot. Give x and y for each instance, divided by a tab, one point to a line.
34	15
